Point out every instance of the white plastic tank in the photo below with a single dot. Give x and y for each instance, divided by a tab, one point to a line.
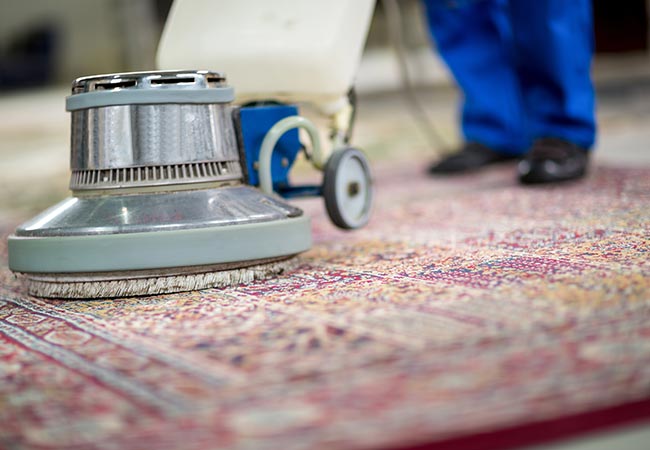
289	50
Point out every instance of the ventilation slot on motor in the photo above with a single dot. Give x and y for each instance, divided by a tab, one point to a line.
155	175
122	84
178	80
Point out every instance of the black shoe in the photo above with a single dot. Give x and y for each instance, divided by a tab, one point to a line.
472	156
551	160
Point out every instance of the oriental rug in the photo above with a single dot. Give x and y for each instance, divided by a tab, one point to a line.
471	313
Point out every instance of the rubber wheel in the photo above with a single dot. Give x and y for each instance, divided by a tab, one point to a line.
347	188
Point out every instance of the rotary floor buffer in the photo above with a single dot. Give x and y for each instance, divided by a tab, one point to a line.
180	177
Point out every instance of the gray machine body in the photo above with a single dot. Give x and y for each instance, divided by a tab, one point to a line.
157	183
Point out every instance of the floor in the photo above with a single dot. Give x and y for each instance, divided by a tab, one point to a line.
627	438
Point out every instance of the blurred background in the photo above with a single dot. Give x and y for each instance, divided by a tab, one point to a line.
45	44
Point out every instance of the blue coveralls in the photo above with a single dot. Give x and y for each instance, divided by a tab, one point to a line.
523	67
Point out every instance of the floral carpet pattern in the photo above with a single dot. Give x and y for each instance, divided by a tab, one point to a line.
468	305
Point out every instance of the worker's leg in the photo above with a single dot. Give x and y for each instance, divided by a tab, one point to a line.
474	37
553	47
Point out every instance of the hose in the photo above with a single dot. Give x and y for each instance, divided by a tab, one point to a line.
271	139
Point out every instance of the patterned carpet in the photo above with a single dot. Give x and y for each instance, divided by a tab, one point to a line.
470	308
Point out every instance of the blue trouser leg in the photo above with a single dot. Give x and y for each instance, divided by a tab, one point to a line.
474	39
553	48
523	67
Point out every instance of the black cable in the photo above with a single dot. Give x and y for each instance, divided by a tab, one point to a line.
394	24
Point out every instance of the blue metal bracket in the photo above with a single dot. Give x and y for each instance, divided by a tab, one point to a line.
255	123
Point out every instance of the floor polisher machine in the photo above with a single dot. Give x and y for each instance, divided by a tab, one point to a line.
177	183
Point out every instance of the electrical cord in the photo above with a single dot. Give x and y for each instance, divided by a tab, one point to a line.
394	24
